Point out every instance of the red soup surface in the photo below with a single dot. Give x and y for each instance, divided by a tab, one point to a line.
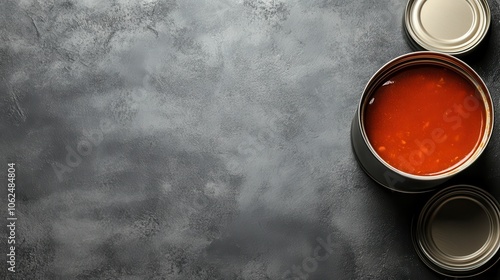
425	120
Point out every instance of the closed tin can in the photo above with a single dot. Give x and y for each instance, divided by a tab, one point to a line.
427	106
455	27
457	232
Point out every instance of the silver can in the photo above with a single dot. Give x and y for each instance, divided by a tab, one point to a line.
455	27
457	233
374	165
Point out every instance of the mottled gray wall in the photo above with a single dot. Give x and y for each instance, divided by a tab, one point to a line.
191	139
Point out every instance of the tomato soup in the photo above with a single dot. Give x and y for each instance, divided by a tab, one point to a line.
425	119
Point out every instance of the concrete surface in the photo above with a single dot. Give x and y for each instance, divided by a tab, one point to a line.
192	139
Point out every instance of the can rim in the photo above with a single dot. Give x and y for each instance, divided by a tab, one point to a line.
437	58
419	36
483	259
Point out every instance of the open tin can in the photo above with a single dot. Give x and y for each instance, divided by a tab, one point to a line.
457	233
399	165
455	27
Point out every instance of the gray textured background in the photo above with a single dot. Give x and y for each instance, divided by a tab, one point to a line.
215	137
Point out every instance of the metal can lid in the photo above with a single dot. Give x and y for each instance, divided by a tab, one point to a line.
457	233
454	27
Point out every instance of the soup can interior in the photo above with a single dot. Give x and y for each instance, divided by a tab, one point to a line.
457	232
379	169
